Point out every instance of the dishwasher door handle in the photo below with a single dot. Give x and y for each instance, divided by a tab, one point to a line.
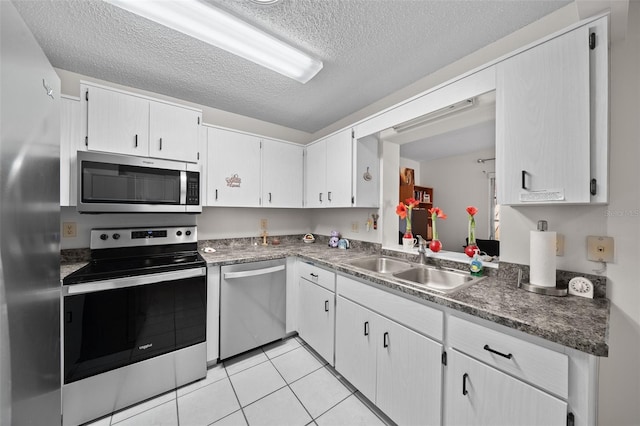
253	273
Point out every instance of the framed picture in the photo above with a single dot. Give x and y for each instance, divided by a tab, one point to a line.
426	197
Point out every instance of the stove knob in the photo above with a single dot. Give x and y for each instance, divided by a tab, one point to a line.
104	237
179	233
116	236
188	233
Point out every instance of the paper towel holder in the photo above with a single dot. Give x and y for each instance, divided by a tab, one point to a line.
558	290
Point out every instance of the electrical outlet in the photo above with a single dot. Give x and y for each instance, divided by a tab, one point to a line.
68	229
263	224
355	226
600	249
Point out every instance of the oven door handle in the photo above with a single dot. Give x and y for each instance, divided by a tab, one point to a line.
133	281
253	273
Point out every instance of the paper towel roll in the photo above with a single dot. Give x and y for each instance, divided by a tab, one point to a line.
542	252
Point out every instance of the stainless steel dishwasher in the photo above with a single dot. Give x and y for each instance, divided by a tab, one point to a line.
252	305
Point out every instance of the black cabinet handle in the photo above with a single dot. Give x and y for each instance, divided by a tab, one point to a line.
269	197
524	177
160	144
593	187
136	139
216	195
385	339
314	275
487	348
366	328
465	376
329	196
326	306
320	196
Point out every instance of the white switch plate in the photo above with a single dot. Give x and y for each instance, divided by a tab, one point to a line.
600	249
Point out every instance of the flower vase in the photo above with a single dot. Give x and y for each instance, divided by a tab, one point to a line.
471	247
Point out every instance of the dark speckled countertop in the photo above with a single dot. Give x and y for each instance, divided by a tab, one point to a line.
571	321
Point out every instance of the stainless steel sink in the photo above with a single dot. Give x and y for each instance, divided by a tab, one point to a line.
442	280
380	264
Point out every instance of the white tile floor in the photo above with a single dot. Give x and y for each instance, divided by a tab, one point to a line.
284	383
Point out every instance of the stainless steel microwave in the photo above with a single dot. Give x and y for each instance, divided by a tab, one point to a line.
113	183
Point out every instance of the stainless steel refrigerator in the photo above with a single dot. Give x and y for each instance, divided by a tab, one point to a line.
29	228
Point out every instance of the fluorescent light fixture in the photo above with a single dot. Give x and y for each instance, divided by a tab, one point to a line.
221	29
434	115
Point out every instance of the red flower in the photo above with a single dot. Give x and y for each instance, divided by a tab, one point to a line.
401	210
472	210
412	202
437	212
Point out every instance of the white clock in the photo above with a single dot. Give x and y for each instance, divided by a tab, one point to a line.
580	286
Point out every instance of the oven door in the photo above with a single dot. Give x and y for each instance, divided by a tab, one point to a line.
111	324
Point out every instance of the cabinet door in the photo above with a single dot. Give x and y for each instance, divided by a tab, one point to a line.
70	141
339	166
282	174
409	375
173	132
355	346
316	318
481	395
117	122
543	123
233	169
203	149
316	175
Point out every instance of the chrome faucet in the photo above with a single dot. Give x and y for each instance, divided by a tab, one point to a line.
422	253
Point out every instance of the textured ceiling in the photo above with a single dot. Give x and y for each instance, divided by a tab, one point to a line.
370	48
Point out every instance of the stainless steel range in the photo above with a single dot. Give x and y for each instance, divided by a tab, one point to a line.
134	320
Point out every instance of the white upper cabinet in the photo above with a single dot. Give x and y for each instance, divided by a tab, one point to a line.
282	174
126	123
316	175
328	171
551	130
233	169
116	122
173	132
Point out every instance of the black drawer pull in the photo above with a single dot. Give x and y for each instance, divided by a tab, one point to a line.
366	328
136	141
314	275
464	384
524	177
487	348
385	339
326	306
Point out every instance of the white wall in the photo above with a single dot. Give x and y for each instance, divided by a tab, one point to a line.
326	220
458	182
620	372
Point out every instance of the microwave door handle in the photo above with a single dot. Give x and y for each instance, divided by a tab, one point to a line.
183	187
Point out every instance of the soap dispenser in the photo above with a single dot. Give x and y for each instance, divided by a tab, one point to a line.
476	264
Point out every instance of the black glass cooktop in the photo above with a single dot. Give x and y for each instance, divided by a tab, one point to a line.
110	268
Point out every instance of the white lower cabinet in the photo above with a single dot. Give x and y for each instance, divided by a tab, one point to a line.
481	395
394	367
316	316
213	313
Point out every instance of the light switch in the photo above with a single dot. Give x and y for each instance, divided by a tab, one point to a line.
600	249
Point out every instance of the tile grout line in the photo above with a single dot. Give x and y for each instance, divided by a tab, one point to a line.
236	393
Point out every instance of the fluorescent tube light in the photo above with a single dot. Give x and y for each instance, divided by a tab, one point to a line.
434	115
221	29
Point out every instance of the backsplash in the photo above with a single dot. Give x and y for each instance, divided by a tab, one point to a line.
509	271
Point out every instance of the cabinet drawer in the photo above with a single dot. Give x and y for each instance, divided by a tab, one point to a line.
322	277
537	365
414	315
